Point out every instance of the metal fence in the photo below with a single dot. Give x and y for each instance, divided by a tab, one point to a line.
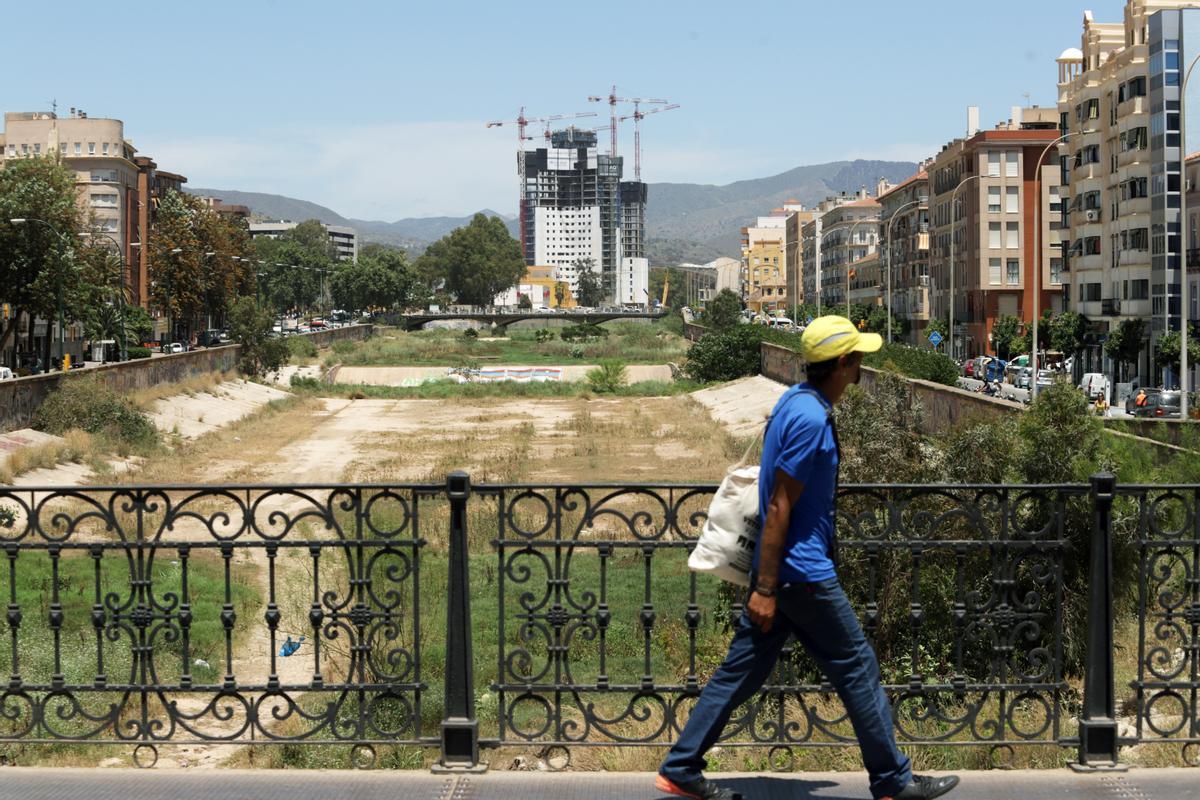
458	617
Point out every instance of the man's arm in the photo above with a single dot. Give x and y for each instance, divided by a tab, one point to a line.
770	548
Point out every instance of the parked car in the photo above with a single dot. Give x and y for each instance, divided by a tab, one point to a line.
1131	406
174	347
1024	378
1160	405
6	374
1045	378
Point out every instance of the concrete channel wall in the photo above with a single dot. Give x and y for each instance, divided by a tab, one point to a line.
21	397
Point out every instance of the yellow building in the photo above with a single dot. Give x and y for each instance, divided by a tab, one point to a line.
540	286
762	260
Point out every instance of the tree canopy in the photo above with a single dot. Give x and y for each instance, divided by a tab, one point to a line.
723	311
380	278
589	289
475	262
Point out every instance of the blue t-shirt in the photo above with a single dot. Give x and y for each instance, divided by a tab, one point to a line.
801	442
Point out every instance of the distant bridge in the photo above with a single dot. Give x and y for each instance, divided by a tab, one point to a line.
503	319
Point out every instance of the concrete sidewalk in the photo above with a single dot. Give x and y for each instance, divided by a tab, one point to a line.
21	783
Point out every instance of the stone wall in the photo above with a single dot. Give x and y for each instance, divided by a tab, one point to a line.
20	398
943	406
692	332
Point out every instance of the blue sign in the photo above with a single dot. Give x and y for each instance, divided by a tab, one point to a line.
935	338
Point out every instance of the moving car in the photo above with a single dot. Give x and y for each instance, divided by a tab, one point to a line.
174	347
1159	405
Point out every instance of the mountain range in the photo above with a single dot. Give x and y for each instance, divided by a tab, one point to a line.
684	221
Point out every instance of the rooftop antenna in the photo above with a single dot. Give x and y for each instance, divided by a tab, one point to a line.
1026	96
54	106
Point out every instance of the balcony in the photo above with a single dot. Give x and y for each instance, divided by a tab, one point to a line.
1110	307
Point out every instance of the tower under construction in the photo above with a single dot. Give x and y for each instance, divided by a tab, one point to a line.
577	211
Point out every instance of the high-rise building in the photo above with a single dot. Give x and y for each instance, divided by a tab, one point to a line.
576	210
763	264
849	233
1118	99
343	239
982	201
793	252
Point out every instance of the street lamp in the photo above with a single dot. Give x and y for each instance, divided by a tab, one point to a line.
892	221
953	220
849	254
1037	254
61	316
1184	372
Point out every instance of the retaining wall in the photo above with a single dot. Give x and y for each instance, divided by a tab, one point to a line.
20	398
692	332
943	406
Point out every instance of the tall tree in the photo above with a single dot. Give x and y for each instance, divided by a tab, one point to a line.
476	262
723	311
1167	350
589	289
1006	331
177	272
1124	343
37	261
379	279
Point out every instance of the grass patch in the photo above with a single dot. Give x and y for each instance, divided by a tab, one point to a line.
80	653
446	389
631	343
75	446
145	398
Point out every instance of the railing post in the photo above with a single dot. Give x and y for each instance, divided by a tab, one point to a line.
1098	741
460	729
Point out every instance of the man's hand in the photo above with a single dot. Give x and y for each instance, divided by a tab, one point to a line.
762	611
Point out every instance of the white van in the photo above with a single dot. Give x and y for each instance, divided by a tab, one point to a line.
1095	384
6	374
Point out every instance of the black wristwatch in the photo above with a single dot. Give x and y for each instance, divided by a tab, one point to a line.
764	591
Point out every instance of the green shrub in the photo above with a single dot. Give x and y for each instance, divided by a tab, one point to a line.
471	333
586	332
543	335
343	346
915	362
87	404
299	381
137	352
576	351
607	378
301	347
725	355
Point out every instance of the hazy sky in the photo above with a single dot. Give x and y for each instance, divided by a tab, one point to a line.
377	109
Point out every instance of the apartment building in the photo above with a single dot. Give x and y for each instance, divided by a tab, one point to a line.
793	250
703	282
812	278
849	233
118	189
763	264
1118	99
983	202
904	249
343	239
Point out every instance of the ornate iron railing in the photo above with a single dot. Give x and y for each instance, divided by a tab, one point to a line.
173	615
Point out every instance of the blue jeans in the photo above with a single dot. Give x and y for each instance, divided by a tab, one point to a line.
820	616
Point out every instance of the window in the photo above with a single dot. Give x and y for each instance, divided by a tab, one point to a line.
1139	290
1138	239
994	235
104	147
1092	109
109	200
91	148
1090	292
24	149
1091	246
109	225
993	199
1014	272
1056	271
78	148
37	148
104	176
993	164
1011	201
1012	235
62	148
1011	162
1055	200
12	149
994	271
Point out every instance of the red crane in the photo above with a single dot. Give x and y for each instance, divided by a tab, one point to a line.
521	122
637	116
612	101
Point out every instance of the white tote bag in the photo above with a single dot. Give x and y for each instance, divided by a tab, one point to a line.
730	534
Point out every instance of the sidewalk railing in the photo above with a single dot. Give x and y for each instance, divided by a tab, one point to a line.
458	618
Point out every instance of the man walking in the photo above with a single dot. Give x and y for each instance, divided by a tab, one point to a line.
795	590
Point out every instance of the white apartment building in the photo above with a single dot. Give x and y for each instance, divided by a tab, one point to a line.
344	239
1118	99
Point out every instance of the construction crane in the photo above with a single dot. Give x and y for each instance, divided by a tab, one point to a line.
637	116
549	120
522	122
612	101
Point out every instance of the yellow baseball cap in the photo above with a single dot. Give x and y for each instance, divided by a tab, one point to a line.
833	336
